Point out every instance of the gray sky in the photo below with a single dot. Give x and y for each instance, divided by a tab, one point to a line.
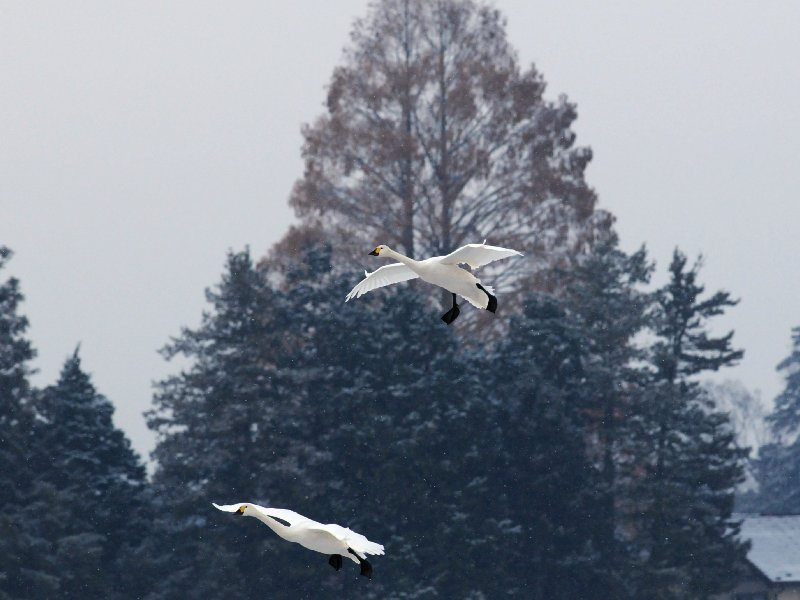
141	140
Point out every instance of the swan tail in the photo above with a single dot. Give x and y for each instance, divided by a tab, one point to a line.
368	547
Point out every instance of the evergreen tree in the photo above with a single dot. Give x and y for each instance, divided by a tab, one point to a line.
27	567
608	307
778	465
785	418
685	499
15	415
393	404
541	473
364	414
100	480
225	435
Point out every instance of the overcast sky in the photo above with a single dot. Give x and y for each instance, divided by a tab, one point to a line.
141	140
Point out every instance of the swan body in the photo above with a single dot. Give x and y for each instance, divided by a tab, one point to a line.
441	271
335	540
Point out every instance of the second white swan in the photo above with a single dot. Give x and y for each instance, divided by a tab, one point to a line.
335	540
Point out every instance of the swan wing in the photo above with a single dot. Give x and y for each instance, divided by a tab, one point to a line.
386	275
477	255
359	543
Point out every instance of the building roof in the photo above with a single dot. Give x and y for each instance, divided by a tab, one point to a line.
775	549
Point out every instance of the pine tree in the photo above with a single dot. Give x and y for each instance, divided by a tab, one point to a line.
364	414
27	567
542	475
229	431
15	414
778	465
392	404
692	466
90	463
609	308
786	416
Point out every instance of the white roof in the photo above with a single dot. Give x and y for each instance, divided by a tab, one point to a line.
775	549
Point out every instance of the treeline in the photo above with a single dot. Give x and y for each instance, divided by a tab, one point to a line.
72	492
573	457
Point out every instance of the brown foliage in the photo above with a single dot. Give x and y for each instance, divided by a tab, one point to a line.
434	137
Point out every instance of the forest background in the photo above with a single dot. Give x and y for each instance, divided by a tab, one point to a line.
574	438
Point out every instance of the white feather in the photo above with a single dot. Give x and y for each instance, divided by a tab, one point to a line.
442	271
386	275
325	538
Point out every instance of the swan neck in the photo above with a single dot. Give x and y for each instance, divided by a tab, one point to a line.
409	262
278	528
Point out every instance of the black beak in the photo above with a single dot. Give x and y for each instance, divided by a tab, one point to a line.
374	252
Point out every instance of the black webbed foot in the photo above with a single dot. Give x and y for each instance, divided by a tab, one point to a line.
451	315
366	569
335	561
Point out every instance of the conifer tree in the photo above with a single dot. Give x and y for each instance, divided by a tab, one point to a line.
608	307
778	465
786	416
100	481
393	405
363	414
27	563
225	435
541	474
685	499
15	414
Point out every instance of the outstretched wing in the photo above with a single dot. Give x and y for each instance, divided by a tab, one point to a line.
359	543
386	275
477	255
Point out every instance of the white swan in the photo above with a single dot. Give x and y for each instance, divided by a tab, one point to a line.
330	539
439	270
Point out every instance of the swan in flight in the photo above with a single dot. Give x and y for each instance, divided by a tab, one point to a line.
443	271
335	540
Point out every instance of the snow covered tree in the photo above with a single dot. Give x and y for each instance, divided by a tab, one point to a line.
778	465
608	306
691	461
435	137
392	404
27	568
747	415
90	463
364	414
542	480
15	414
785	418
227	433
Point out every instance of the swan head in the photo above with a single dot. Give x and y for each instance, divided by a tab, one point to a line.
242	510
378	250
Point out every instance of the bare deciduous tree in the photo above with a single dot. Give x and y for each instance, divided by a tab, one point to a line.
433	137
